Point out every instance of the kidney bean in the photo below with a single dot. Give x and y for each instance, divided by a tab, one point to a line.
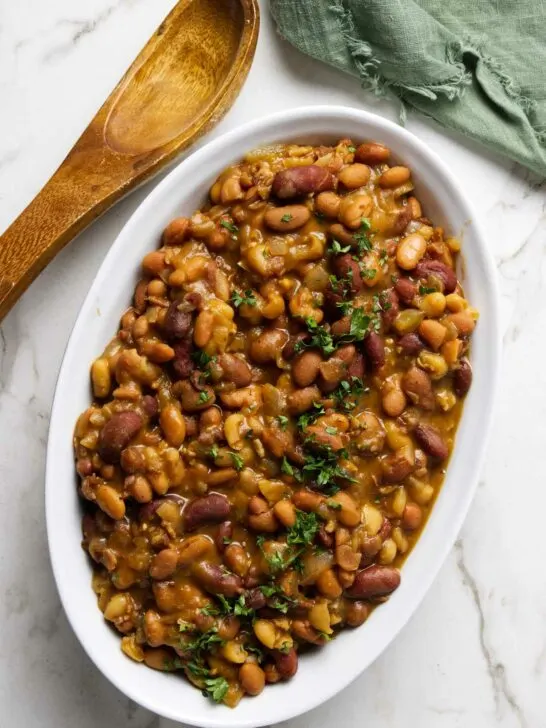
325	538
286	219
357	368
286	662
223	535
236	370
216	580
410	344
375	581
374	347
182	363
348	269
418	386
462	378
390	307
299	181
212	508
177	323
436	268
255	599
117	433
406	290
431	441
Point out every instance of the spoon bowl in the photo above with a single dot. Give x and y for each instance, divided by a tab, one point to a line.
181	84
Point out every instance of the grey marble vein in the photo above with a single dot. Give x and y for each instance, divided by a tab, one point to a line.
82	28
495	668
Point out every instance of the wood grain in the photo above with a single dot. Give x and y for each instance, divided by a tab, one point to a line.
181	84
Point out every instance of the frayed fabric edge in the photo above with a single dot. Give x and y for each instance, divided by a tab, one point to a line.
368	69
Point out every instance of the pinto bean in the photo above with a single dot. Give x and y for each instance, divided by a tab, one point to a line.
235	370
212	508
462	378
216	580
177	323
394	177
374	347
305	368
403	219
440	270
354	175
298	181
431	441
375	581
193	399
302	399
327	203
410	251
356	613
268	345
252	678
410	344
348	269
286	662
418	386
406	290
288	218
164	564
117	433
372	153
397	466
412	516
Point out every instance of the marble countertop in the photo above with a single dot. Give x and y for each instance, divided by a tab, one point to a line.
474	654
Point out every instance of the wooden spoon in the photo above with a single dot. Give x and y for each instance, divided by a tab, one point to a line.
180	85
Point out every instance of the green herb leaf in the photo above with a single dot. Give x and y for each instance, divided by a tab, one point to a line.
424	290
336	248
247	298
283	421
238	462
233	229
287	217
203	397
286	467
361	239
216	688
351	149
304	530
201	358
213	452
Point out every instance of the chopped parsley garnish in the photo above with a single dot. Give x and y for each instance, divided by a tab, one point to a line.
276	598
203	397
231	227
307	418
283	421
363	242
213	452
320	338
216	688
334	505
323	469
243	299
424	290
286	467
336	247
201	359
203	643
351	149
347	389
238	462
368	273
360	324
304	530
287	217
279	561
383	257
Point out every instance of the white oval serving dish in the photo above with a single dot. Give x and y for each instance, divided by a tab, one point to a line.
329	670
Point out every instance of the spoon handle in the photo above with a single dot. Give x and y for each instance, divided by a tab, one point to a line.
69	201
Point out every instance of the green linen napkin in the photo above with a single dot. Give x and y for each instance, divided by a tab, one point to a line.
476	66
